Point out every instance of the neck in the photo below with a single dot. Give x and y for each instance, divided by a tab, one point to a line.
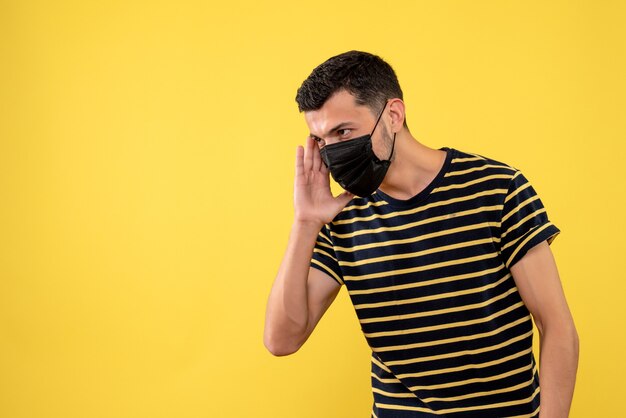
413	167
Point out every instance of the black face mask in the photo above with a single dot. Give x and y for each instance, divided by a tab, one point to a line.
354	165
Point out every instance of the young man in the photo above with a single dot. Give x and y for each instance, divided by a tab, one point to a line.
444	254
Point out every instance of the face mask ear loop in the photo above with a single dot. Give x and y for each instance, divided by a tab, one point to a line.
393	144
378	120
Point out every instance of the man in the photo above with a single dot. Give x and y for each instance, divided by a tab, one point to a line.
445	255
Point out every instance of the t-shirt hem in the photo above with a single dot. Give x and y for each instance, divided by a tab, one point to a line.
324	269
544	232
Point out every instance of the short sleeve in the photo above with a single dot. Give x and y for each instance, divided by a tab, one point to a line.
524	222
324	258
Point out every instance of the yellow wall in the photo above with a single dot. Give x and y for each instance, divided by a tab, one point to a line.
146	162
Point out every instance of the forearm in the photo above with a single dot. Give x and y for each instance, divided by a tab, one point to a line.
557	371
287	312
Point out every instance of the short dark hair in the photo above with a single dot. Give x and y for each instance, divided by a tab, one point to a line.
366	76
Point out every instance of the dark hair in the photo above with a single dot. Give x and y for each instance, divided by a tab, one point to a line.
366	76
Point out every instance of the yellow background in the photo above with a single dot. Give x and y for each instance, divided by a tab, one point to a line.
146	163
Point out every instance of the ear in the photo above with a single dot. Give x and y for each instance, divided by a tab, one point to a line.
396	110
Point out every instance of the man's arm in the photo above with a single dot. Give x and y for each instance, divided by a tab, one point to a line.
537	279
300	294
299	297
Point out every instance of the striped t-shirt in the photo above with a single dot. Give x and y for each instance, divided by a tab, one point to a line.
430	282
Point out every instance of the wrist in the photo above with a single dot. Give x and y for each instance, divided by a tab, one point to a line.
307	226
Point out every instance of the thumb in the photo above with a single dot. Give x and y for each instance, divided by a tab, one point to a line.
343	199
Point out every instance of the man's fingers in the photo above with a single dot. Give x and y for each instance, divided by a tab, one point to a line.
323	168
317	159
308	155
299	162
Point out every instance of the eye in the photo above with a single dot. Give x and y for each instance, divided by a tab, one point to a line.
344	132
320	141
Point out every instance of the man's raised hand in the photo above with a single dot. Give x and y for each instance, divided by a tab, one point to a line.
313	200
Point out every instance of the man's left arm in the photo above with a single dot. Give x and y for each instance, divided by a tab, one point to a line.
537	279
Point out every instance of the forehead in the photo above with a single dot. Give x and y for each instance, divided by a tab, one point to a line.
339	108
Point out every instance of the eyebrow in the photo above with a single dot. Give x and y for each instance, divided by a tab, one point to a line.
336	128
